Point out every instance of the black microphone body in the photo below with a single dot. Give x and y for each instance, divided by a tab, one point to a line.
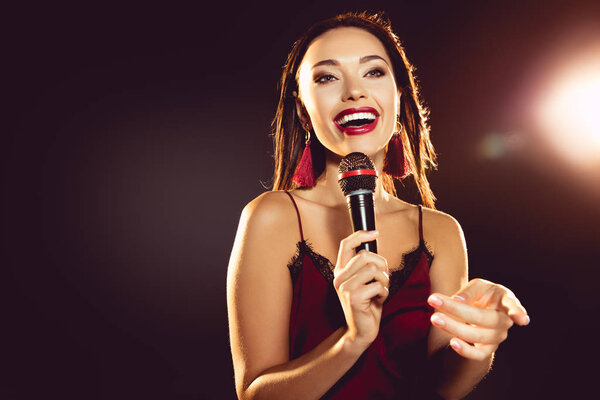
362	214
357	180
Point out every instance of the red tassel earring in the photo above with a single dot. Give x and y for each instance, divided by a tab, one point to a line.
305	174
395	163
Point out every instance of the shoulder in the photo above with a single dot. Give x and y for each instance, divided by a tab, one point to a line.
440	222
269	210
266	238
442	231
270	216
449	270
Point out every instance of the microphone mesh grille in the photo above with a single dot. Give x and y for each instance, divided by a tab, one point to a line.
354	161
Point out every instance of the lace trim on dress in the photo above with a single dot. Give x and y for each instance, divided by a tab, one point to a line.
325	267
295	264
323	264
409	262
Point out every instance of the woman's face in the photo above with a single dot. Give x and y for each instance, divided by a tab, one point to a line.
346	84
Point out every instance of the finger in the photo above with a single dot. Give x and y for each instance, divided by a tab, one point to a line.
486	318
500	297
348	244
483	293
382	296
366	275
375	291
514	309
358	262
472	352
363	295
370	272
473	290
469	333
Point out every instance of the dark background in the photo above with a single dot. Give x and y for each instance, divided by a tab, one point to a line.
135	134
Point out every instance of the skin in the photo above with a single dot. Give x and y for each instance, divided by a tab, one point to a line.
361	76
471	318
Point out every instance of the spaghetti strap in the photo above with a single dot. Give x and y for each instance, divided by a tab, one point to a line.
420	223
297	213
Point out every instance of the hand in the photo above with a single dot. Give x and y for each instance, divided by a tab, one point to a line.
478	316
361	282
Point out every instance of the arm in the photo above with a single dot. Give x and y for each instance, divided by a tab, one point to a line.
259	294
469	326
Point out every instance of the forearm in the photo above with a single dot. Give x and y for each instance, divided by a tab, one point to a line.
456	376
311	375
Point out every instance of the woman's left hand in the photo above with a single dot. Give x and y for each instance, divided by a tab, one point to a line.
478	317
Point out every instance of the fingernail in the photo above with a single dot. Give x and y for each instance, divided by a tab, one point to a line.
459	297
435	301
526	320
437	320
373	233
455	345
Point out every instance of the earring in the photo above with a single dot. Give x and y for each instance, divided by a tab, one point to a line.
395	163
305	174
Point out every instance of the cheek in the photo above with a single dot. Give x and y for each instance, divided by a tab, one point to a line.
389	96
385	92
320	102
390	103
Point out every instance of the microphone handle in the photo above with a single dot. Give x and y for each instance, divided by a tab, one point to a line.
362	215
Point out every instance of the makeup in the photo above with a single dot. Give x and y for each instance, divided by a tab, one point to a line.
357	121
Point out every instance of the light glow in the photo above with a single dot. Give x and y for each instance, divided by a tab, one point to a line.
569	113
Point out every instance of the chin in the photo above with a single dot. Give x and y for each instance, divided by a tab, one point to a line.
370	144
367	146
369	149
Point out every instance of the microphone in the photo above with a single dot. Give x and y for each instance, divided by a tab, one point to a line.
357	178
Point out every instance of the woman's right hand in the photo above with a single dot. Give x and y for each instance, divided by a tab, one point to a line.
361	281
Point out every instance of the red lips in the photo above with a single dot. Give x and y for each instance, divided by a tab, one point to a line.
357	130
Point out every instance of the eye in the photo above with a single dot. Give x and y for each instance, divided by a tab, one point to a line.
324	78
375	72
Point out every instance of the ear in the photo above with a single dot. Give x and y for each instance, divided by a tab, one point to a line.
301	112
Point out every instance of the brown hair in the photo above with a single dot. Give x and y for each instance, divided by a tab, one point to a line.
288	135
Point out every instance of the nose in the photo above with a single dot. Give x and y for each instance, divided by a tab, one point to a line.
353	90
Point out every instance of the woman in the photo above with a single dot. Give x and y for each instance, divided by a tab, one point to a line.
364	325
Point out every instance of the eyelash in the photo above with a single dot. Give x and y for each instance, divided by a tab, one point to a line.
321	79
379	72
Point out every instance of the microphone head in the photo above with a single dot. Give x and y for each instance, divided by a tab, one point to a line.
357	172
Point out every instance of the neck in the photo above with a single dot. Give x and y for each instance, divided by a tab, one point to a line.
327	190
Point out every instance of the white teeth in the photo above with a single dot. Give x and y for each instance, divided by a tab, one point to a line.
351	117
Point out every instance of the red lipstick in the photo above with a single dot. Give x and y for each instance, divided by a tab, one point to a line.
357	130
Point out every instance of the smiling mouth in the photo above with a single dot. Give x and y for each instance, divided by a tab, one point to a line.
357	121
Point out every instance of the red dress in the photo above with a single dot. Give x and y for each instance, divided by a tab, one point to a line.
392	365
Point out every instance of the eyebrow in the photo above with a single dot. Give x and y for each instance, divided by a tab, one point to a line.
361	61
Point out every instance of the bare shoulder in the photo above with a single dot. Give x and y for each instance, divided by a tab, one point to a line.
269	210
269	225
442	230
449	270
264	243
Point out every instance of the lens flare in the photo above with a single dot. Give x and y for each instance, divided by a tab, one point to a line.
569	113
